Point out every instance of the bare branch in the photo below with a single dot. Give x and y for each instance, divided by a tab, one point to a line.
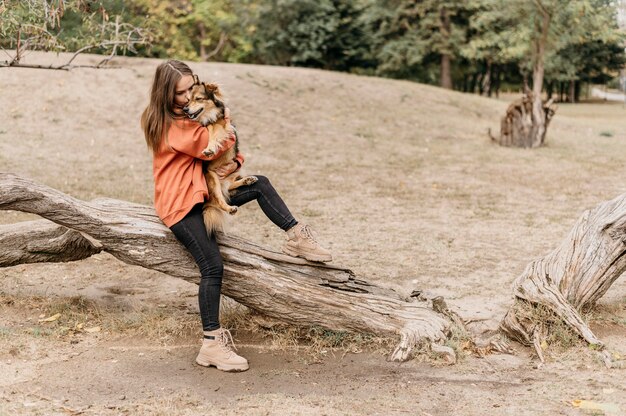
220	45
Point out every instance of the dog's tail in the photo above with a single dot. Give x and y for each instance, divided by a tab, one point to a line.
213	218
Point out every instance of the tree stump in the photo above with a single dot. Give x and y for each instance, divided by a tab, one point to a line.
288	289
572	277
525	122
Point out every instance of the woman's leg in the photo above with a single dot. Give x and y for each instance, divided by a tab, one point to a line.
191	232
270	202
300	239
216	346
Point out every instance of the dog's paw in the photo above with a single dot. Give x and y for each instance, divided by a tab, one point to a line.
249	180
232	210
208	153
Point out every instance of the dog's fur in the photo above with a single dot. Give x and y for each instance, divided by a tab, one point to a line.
206	106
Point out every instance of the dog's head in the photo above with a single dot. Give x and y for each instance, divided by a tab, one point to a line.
206	104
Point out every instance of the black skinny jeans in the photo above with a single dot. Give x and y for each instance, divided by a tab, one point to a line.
192	233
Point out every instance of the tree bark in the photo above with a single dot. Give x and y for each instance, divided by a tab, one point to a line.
285	288
446	77
573	277
539	121
43	241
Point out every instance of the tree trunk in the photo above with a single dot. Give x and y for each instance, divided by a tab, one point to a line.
446	76
526	122
285	288
486	87
572	91
203	53
498	79
473	82
573	277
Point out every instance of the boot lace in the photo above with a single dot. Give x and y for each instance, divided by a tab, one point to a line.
226	342
308	233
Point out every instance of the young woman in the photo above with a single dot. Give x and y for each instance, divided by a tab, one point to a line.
180	191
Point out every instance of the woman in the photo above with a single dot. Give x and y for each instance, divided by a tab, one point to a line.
180	191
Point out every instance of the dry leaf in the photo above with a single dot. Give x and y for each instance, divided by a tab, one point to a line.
610	408
51	318
93	329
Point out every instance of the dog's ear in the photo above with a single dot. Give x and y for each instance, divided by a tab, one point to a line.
214	89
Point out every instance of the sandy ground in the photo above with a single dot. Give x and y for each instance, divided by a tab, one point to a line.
401	182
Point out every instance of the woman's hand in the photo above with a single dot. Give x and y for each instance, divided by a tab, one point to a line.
227	169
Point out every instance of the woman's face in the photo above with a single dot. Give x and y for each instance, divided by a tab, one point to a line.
182	93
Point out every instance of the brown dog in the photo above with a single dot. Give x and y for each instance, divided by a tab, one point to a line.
206	105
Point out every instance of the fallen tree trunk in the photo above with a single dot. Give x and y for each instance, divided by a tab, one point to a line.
285	288
573	277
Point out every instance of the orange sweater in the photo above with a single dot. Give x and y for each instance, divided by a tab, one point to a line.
177	168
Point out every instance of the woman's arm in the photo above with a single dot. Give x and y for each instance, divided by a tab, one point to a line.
193	140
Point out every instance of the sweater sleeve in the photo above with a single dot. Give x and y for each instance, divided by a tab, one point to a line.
239	159
192	141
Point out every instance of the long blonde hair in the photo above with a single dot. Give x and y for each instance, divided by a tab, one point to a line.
158	115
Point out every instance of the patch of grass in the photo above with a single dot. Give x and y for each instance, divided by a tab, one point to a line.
5	332
77	314
308	212
315	342
560	336
606	133
459	340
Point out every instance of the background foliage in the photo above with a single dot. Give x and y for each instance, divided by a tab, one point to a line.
473	45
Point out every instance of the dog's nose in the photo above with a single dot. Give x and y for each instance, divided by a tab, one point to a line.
186	109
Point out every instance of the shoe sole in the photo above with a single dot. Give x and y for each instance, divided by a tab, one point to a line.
308	256
227	368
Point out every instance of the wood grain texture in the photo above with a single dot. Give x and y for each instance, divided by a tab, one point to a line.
576	274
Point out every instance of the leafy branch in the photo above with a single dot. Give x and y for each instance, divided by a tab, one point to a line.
36	25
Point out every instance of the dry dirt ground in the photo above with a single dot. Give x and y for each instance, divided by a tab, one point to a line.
401	182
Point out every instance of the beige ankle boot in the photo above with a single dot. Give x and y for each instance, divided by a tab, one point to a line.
301	243
217	350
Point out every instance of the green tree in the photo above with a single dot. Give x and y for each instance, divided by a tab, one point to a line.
315	33
417	40
195	29
538	30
